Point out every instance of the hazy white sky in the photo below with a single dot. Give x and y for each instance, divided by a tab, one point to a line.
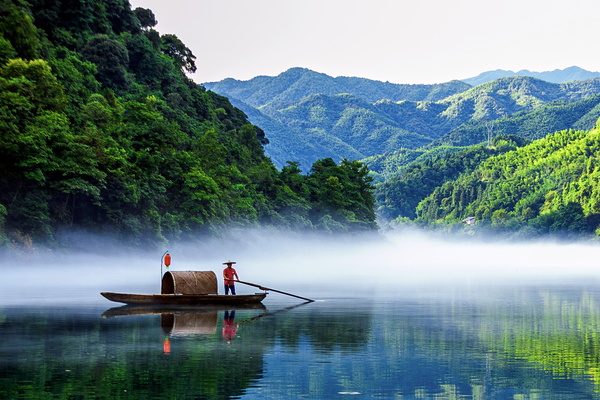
401	41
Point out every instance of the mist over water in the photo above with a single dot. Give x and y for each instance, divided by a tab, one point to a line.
324	266
405	314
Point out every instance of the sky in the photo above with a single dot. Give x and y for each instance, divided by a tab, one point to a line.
400	41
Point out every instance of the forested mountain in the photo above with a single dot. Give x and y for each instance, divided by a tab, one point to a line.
344	125
423	181
551	117
295	84
506	96
547	187
556	76
262	98
387	165
100	129
401	194
545	108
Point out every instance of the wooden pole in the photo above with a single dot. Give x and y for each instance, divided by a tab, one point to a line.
161	274
274	290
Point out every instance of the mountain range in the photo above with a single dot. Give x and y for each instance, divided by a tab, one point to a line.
297	83
556	76
425	145
308	115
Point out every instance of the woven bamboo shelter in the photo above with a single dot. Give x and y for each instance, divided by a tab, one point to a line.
189	282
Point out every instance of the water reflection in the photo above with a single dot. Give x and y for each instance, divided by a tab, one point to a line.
466	343
229	326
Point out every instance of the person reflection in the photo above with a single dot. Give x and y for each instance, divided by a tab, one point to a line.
229	329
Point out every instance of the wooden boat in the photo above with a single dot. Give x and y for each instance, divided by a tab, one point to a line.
186	288
188	299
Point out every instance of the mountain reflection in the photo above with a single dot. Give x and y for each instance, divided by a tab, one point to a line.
493	343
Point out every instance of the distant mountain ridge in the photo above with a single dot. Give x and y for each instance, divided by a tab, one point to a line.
297	83
557	76
304	126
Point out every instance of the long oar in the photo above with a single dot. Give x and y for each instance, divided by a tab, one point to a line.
273	290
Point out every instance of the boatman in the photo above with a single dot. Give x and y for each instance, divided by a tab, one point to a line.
228	274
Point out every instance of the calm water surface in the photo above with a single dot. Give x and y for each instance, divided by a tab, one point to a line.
459	342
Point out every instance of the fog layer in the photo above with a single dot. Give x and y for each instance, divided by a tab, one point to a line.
316	264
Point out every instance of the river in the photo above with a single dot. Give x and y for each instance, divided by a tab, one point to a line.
463	321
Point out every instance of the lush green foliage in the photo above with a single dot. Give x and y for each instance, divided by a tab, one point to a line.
349	126
400	195
547	187
101	129
385	166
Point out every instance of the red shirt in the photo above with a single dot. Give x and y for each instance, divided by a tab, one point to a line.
229	273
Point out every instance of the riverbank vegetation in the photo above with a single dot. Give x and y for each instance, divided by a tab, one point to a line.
548	187
101	130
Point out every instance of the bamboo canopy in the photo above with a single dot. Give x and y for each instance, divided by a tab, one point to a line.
189	282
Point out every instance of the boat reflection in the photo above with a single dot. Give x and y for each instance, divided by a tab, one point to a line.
189	323
185	320
132	310
195	320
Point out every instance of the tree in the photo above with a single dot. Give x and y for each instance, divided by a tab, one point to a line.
181	55
146	17
111	59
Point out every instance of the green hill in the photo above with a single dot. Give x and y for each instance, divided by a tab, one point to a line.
288	143
348	119
509	95
400	195
547	187
399	192
551	117
101	130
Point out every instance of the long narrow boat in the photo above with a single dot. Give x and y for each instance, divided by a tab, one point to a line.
188	299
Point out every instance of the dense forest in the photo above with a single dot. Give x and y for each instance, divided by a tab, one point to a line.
101	130
549	186
400	195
